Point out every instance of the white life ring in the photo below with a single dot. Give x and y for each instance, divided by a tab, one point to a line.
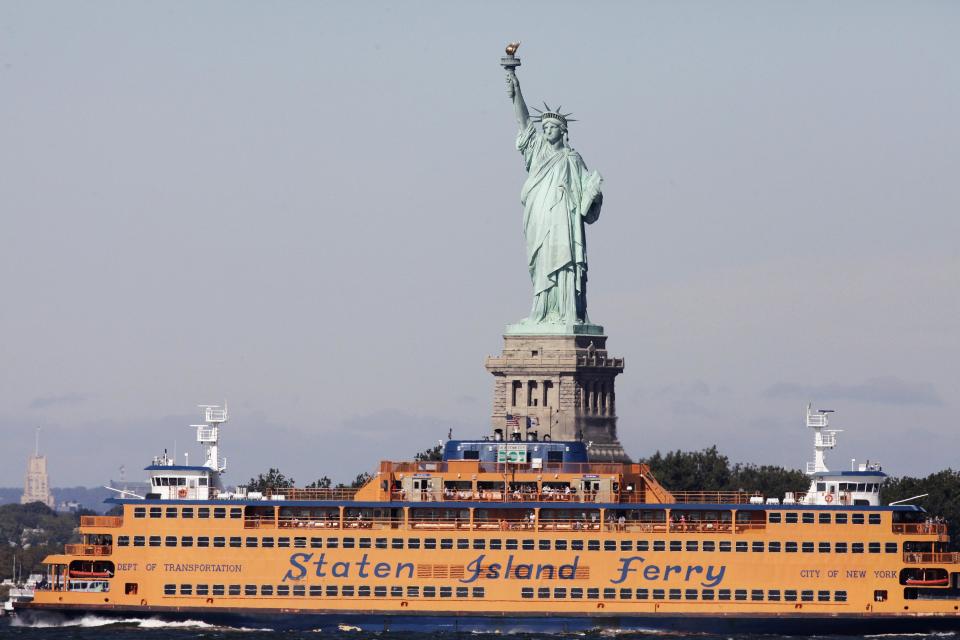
182	493
828	498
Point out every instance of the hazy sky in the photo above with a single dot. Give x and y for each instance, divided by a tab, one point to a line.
311	210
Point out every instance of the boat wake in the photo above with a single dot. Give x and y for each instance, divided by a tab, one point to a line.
93	621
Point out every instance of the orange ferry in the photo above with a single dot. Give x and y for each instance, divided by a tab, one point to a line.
511	533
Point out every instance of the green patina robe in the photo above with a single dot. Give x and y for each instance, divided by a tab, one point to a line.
558	197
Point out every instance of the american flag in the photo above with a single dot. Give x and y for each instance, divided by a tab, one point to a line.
513	421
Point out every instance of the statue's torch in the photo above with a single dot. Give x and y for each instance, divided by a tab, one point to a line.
511	62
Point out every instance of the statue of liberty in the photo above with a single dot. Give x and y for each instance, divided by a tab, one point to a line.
559	196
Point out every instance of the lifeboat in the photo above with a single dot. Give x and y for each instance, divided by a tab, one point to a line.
91	574
928	582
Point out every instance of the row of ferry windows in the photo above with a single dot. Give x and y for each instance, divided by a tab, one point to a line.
316	591
187	512
756	595
823	517
511	544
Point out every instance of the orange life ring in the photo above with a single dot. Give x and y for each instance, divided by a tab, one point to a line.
828	498
182	493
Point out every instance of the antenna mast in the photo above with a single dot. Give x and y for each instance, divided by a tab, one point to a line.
208	434
824	438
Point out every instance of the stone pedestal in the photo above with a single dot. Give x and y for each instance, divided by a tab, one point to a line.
565	383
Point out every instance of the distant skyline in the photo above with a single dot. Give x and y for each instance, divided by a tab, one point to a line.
311	211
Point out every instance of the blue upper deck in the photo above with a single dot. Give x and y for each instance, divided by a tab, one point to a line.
487	450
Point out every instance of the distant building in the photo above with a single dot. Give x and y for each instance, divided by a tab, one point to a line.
36	486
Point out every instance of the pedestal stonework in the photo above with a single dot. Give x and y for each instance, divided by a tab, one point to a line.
566	382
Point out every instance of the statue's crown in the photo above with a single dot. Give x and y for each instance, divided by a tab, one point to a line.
553	114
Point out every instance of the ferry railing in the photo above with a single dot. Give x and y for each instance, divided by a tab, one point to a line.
304	522
712	497
294	493
440	524
921	528
913	557
259	523
87	550
101	521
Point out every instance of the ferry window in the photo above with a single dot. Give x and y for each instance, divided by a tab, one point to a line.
659	594
170	541
791	547
380	591
840	518
790	595
874	547
806	547
609	545
823	547
823	596
203	512
347	590
234	541
626	545
186	541
139	512
791	517
741	546
463	592
203	541
235	513
431	543
857	518
774	517
446	543
301	543
593	593
284	590
708	545
740	594
625	594
593	545
693	545
414	543
202	482
807	518
479	543
676	545
463	543
806	596
674	594
219	513
576	593
281	542
171	512
218	589
643	594
644	545
266	590
333	543
543	545
823	517
169	589
154	541
723	594
251	541
840	547
511	543
874	518
219	542
412	592
526	592
690	594
773	547
890	547
724	546
349	542
332	590
840	596
202	589
396	592
155	512
659	545
609	593
234	590
428	592
707	594
527	545
123	541
821	486
187	512
186	589
478	592
396	543
267	542
543	592
856	547
560	545
575	545
757	546
756	594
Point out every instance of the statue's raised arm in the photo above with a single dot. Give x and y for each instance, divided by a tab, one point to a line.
519	105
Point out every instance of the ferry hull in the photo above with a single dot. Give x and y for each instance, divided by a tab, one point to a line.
492	622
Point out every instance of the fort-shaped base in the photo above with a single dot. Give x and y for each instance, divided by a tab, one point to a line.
527	328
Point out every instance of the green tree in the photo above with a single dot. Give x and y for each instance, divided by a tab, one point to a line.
270	481
323	483
433	454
